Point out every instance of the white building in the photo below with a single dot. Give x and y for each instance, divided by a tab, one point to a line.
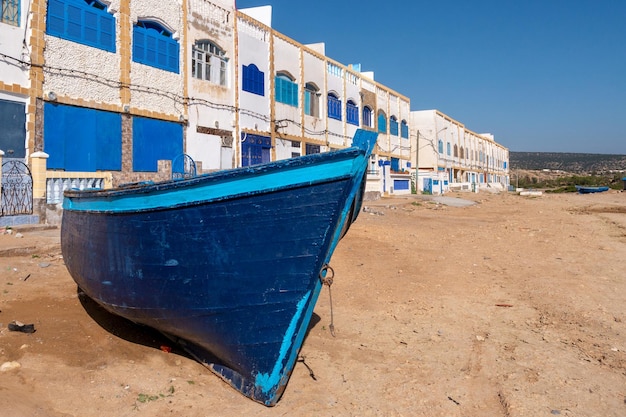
15	67
450	156
293	100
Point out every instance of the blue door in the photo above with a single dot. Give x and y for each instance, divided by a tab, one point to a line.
155	140
255	149
81	139
13	129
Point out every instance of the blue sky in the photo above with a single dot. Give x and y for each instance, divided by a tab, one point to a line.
541	75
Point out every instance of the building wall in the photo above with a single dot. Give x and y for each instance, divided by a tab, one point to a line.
467	157
290	129
15	74
211	107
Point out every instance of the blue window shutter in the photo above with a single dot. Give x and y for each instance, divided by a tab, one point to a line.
95	143
154	140
307	102
278	89
382	123
245	78
173	56
56	18
107	33
54	135
74	22
161	52
80	146
91	27
260	81
139	45
108	137
151	50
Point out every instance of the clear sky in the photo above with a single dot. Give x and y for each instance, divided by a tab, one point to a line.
540	75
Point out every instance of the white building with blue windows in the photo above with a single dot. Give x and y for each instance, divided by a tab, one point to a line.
101	93
452	157
294	100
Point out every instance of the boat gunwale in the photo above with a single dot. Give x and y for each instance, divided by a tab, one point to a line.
215	177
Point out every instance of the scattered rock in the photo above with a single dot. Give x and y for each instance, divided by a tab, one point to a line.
9	366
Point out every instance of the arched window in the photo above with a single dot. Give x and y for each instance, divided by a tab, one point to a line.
311	100
462	157
352	113
456	151
448	150
404	129
382	122
153	45
367	116
209	62
393	125
334	106
285	89
440	146
253	80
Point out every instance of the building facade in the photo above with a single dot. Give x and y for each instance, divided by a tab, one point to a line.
448	156
98	94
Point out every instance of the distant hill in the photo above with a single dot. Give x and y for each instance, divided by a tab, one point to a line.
579	163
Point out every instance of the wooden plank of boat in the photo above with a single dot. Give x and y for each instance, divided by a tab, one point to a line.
228	264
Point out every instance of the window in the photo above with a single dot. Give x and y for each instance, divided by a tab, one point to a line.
440	146
367	116
393	125
456	151
334	106
286	90
448	148
153	45
10	12
404	129
382	122
311	100
209	62
253	80
86	22
311	149
352	113
395	164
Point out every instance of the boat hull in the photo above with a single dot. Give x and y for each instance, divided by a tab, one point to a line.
233	278
590	190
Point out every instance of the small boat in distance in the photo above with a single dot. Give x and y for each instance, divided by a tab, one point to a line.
582	189
229	264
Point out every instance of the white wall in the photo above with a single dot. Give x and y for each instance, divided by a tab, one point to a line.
13	42
212	105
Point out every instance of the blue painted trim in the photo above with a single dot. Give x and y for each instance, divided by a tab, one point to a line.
268	381
155	198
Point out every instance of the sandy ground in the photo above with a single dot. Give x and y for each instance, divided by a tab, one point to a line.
514	306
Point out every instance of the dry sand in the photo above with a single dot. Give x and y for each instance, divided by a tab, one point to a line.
514	306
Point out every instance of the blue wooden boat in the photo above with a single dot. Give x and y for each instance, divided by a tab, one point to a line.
228	264
588	190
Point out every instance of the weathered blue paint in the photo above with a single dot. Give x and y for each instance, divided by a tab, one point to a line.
233	277
268	381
